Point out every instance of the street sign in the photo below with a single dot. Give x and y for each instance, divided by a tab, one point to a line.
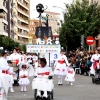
90	40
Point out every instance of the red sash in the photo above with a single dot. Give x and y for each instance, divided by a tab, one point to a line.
5	71
15	61
61	61
71	72
45	73
24	77
95	64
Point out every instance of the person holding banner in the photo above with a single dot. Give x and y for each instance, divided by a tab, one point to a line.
61	66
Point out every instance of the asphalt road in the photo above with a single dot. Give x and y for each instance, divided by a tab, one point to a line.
83	89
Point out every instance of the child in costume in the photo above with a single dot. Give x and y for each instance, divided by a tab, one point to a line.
23	81
11	73
70	77
42	81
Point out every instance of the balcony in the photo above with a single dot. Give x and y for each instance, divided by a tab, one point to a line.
23	27
23	20
3	20
22	41
4	33
23	5
27	1
3	7
2	15
22	35
22	12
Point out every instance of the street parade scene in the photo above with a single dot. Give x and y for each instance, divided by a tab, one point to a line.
53	55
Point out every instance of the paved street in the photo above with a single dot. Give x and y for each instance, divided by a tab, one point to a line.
83	89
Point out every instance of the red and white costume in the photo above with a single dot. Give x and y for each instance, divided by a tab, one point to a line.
42	83
23	81
4	76
11	76
61	65
35	59
95	60
15	57
70	76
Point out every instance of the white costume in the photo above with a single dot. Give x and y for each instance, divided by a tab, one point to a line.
8	58
95	60
22	59
61	65
35	59
23	81
11	76
16	57
70	77
4	76
42	83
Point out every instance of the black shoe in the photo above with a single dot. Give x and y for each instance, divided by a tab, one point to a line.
61	84
38	97
44	98
58	84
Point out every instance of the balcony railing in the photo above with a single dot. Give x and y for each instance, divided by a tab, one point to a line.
23	12
23	26
23	4
23	20
27	1
22	33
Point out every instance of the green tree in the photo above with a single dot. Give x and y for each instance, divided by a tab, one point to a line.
79	19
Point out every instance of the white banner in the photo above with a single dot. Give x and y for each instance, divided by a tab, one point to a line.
43	48
49	57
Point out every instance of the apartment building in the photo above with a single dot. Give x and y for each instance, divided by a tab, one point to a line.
33	24
53	20
18	20
3	18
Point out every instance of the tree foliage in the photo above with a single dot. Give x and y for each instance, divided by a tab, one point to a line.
9	44
79	19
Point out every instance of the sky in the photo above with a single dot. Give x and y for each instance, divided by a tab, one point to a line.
50	4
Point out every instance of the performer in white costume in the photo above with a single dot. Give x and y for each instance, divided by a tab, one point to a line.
4	76
23	81
70	76
11	73
35	59
95	60
61	66
42	82
15	58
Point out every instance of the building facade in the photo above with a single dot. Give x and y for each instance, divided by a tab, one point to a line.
18	20
3	18
53	20
33	24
